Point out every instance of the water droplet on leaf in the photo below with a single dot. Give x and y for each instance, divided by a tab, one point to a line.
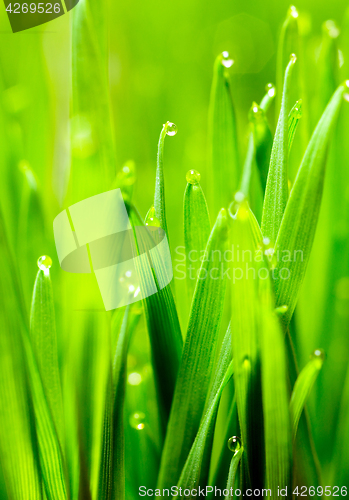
226	61
193	176
319	354
137	420
234	444
171	129
44	263
134	378
151	219
270	88
293	12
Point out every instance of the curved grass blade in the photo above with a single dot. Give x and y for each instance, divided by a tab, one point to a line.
44	341
159	197
298	225
91	126
293	118
247	168
303	386
198	355
263	140
276	191
195	470
197	230
224	168
234	464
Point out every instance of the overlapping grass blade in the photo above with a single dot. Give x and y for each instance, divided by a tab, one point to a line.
198	355
276	191
263	140
293	119
298	225
197	230
303	386
224	168
195	470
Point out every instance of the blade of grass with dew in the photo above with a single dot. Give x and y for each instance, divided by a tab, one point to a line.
303	386
245	235
93	156
170	129
18	442
195	470
197	229
163	328
263	141
44	341
293	118
234	464
224	169
288	43
298	225
276	191
197	360
277	428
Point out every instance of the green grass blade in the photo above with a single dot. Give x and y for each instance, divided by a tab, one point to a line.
190	476
159	196
247	168
93	156
277	430
44	341
276	192
197	230
293	118
301	215
197	360
245	235
18	441
164	333
263	140
303	386
195	470
234	464
224	168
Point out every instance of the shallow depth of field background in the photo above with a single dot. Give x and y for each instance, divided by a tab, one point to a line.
160	68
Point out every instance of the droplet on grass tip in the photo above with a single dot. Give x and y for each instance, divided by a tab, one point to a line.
270	88
293	58
193	176
255	113
226	60
44	263
234	444
137	420
171	129
319	354
151	219
280	311
293	12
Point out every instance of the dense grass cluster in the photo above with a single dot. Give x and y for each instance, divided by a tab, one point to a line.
251	391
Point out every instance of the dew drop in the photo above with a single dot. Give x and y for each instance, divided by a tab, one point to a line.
293	12
293	58
127	175
171	129
234	444
137	420
270	88
255	113
44	263
193	176
127	283
151	219
226	61
280	311
319	354
134	378
332	29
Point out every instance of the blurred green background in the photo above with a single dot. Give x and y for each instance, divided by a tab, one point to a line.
160	68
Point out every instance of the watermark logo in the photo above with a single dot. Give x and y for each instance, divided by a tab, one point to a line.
130	263
28	14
